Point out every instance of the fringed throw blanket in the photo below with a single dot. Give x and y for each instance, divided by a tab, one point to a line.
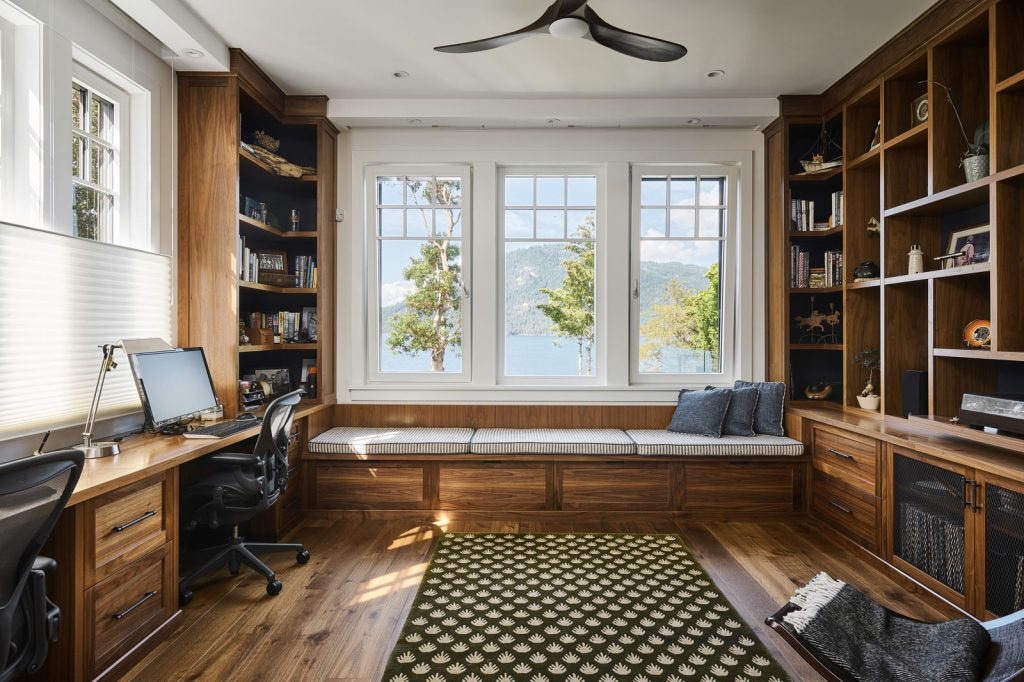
872	643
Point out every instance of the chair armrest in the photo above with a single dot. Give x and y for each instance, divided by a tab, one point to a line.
44	564
235	458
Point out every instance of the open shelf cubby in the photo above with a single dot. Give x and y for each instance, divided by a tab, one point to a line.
906	339
902	88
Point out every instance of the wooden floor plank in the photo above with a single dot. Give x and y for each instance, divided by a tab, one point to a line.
339	616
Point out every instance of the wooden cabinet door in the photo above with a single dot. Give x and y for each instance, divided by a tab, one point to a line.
931	524
999	579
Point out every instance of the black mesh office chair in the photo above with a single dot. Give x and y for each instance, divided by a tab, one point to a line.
246	484
33	493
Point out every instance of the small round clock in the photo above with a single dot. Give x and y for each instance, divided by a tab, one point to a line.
978	334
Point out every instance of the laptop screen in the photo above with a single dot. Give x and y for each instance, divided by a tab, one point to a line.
173	384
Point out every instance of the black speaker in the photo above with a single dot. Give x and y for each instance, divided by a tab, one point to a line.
915	392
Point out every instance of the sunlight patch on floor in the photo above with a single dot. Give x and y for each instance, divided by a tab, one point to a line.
382	586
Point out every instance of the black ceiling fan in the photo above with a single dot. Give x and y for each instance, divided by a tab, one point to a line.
575	19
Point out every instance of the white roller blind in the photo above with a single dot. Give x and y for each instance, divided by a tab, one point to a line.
60	298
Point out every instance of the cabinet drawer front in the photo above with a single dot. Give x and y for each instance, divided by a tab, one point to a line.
845	457
125	524
371	485
124	609
616	486
846	508
742	487
513	487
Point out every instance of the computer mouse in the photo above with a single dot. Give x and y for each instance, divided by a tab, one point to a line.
245	416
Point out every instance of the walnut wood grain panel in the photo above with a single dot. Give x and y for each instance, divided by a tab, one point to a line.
124	525
124	609
504	486
506	416
848	456
375	485
846	508
742	487
776	256
208	138
614	486
1008	251
326	205
906	339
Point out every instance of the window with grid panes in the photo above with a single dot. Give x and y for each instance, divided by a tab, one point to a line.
94	164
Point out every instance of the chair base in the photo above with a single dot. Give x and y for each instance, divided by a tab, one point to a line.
236	553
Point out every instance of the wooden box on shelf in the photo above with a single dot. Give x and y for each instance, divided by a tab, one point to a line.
277	279
259	336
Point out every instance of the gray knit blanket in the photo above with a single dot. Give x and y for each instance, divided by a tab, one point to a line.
871	643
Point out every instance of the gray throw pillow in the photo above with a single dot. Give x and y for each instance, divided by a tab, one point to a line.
701	412
739	418
771	402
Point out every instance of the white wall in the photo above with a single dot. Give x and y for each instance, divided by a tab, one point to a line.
486	151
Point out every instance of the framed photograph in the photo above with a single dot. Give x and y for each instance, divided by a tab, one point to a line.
306	364
250	208
970	245
280	380
309	323
273	261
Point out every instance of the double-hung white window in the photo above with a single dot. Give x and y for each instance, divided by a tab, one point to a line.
683	273
419	273
98	121
549	229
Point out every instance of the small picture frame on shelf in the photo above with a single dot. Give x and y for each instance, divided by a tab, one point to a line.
280	380
309	322
967	246
250	208
273	261
306	364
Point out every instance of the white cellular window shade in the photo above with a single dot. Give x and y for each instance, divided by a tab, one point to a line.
61	298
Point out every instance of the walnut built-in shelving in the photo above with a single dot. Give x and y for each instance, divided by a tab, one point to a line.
913	184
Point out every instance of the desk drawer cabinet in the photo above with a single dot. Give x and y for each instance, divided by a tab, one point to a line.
847	456
124	525
845	483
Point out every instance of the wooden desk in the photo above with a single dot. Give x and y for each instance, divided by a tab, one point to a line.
116	547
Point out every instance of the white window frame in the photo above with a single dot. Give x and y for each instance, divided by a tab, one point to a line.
729	270
598	378
7	161
371	320
21	116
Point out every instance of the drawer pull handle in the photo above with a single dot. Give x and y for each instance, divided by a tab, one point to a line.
840	454
840	507
125	526
145	598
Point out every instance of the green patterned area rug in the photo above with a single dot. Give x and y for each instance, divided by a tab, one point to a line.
572	608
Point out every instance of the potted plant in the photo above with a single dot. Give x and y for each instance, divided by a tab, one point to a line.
870	360
975	159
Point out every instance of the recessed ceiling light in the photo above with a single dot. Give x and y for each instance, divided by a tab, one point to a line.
401	74
693	121
191	53
414	122
716	73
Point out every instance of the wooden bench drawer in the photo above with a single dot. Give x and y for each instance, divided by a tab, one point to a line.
619	486
743	487
497	486
846	456
366	485
847	508
125	524
127	607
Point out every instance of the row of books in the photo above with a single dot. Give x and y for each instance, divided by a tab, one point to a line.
305	272
285	324
801	214
833	269
803	276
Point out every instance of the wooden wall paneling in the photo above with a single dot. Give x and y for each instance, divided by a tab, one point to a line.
759	486
617	486
369	485
208	139
961	63
776	254
906	338
505	416
1008	254
327	228
495	486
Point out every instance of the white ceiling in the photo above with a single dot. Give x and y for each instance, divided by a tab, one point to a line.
350	48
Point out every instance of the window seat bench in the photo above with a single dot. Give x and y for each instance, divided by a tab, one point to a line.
496	469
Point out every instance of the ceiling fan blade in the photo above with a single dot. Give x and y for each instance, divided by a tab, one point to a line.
553	12
632	44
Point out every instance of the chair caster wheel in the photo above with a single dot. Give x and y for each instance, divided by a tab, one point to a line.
274	587
184	597
303	556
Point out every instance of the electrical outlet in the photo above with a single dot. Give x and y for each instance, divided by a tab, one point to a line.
340	216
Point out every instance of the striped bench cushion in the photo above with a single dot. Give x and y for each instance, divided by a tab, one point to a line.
358	440
551	442
654	442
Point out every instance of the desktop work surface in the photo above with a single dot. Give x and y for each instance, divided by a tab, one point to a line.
117	548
